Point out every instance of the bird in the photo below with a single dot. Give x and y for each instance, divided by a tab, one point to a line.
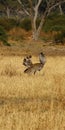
33	68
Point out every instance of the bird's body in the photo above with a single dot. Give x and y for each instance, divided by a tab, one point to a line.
34	68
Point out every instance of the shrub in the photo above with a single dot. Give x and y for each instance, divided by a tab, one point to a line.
54	23
57	28
6	43
59	37
3	36
26	24
38	22
8	23
18	34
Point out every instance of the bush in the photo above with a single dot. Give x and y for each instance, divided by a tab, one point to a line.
57	28
59	37
26	24
3	36
8	24
6	43
54	23
18	34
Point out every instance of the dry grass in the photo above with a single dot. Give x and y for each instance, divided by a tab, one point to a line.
18	34
32	102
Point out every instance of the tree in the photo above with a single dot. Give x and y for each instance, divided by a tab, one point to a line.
9	7
32	9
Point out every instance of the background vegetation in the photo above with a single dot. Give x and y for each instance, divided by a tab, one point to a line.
54	25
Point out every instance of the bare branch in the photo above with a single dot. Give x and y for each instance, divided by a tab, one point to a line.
39	2
26	12
36	12
19	1
31	7
23	8
54	5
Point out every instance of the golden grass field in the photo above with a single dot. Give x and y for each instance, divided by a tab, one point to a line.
35	102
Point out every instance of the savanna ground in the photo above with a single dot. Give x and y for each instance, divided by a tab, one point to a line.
35	102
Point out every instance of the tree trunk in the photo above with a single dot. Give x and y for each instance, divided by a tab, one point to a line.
35	35
61	11
36	32
8	12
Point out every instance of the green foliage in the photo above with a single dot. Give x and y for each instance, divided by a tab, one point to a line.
54	23
26	24
8	23
58	28
3	36
6	43
38	22
45	39
59	37
18	38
